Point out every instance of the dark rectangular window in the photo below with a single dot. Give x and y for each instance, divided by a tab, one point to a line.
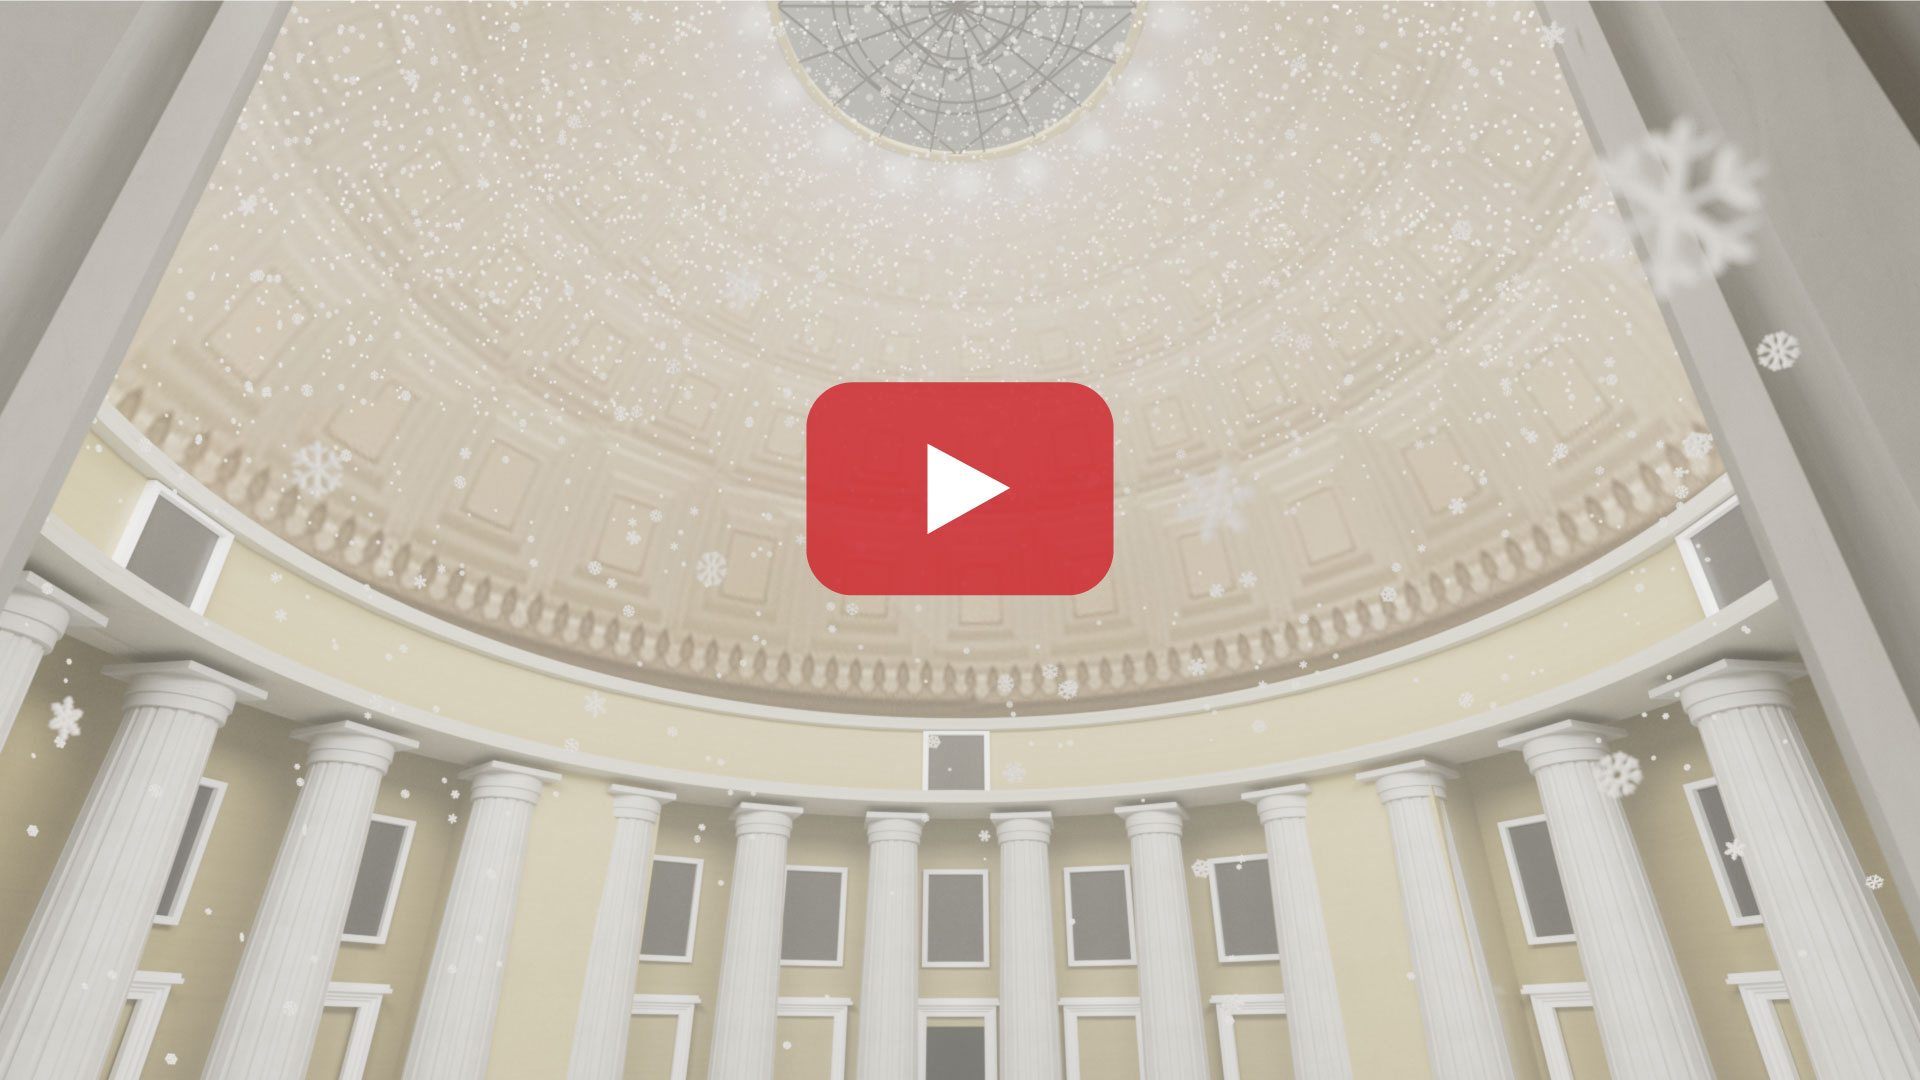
956	760
1243	909
1099	916
1536	877
812	924
186	856
673	896
377	886
956	919
1716	830
956	1052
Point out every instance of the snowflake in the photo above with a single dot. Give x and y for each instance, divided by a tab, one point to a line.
633	537
1248	579
933	742
1259	727
1014	772
570	744
1049	671
594	567
1777	351
453	819
1195	667
1690	231
596	704
1202	868
1004	684
1389	594
655	516
1697	445
419	581
711	570
319	468
1068	688
1875	881
1463	230
1214	501
1466	699
985	836
1618	774
1735	850
852	608
65	723
1456	506
742	289
1216	590
34	830
1553	34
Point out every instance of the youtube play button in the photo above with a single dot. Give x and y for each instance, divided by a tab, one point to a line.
959	488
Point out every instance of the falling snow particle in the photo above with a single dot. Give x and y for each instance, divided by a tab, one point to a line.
1777	351
65	723
1618	774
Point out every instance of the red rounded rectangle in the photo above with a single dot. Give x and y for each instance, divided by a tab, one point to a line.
1050	532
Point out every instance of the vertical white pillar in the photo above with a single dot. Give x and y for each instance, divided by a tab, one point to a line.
1647	1026
1029	996
273	1006
1173	1027
606	1001
64	992
32	621
747	1004
1464	1038
890	964
1316	1031
1852	996
453	1031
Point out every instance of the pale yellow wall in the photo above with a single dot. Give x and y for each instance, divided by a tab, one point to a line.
283	611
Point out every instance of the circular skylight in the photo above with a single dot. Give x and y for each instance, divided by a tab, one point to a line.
957	78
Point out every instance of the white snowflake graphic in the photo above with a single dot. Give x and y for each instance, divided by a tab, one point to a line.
1259	727
1248	579
319	468
711	569
933	742
1214	501
1552	35
1618	774
1202	868
1466	699
1735	850
66	722
1216	590
742	289
985	836
1049	671
1697	445
596	704
1456	506
1014	772
1777	351
1195	667
1875	881
1003	684
1691	228
1389	594
1068	688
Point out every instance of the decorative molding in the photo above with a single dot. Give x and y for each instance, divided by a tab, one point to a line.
122	436
364	999
1759	990
148	993
986	1009
1228	1007
1547	1000
831	1008
1074	1009
681	1008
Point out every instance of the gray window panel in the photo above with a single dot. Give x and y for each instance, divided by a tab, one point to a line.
1715	810
1246	908
1729	557
1098	901
378	863
959	763
810	928
669	917
956	927
957	1053
173	551
196	820
1546	900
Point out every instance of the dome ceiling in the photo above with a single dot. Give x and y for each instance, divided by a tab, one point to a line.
515	313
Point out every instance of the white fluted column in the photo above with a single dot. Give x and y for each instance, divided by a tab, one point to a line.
606	1001
1852	996
1316	1031
1173	1027
890	964
1647	1025
453	1031
1029	986
1465	1040
32	621
746	1007
64	992
273	1006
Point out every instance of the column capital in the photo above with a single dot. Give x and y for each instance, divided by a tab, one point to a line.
1730	684
1409	780
353	742
187	685
505	780
41	611
1160	817
1561	741
1279	803
895	825
1034	825
766	819
638	803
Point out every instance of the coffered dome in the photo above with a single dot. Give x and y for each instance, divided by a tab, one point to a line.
516	314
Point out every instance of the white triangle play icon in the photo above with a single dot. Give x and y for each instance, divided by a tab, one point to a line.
954	487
